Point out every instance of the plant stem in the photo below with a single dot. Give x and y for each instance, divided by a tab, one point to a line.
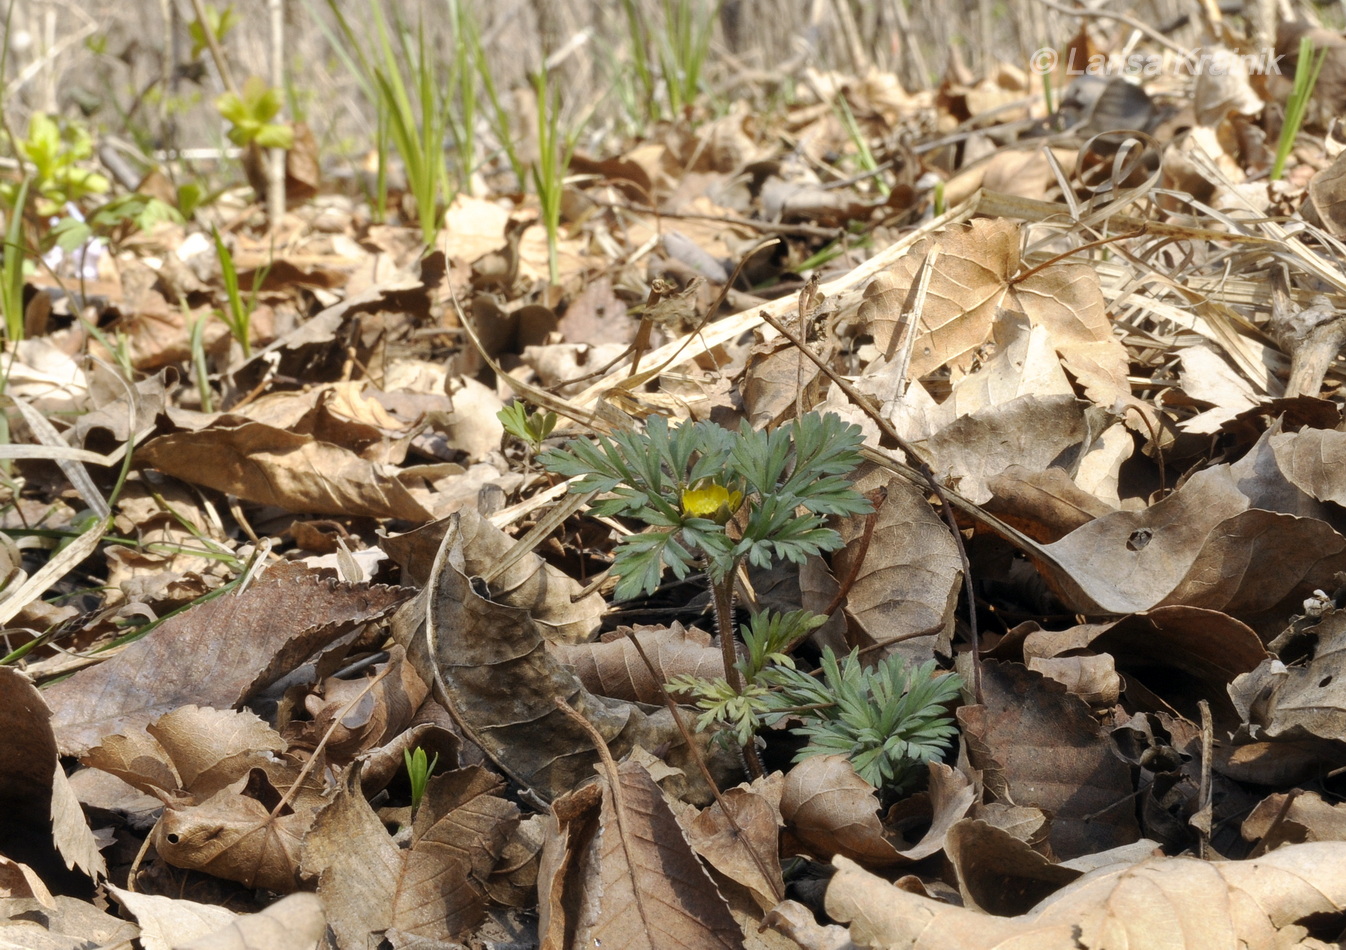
722	597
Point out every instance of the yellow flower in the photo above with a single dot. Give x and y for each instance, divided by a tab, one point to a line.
712	500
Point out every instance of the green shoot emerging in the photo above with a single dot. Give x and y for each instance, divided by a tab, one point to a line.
889	721
1307	68
531	428
419	769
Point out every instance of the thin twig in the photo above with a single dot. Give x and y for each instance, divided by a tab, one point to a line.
1130	21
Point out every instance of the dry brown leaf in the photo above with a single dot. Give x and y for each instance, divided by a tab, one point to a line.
194	749
1023	362
72	924
1314	460
1260	904
967	285
834	811
291	923
218	654
1307	700
1036	432
166	922
1182	654
617	871
430	891
776	381
1065	298
272	466
971	282
999	873
1038	745
799	924
513	883
1044	504
43	826
1201	546
1294	818
614	667
354	715
747	851
20	881
238	833
1093	679
432	730
905	589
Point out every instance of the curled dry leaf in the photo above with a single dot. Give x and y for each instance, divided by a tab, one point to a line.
20	881
999	873
832	810
354	715
1171	902
272	466
1093	679
747	851
1201	546
500	682
1306	700
430	891
1182	654
549	596
1315	461
192	749
614	667
245	832
1294	818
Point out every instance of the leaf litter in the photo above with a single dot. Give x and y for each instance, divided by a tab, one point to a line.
1106	360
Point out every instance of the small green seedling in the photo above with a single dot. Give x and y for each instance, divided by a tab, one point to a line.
531	428
218	24
57	178
250	111
141	212
419	770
